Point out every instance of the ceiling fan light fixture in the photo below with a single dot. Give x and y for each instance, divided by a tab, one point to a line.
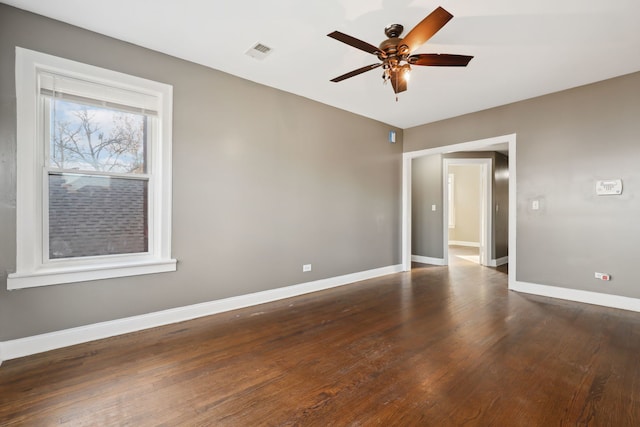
406	72
395	53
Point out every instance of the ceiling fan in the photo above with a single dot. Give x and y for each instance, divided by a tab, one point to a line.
395	52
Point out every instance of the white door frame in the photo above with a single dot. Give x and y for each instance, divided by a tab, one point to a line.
486	220
465	146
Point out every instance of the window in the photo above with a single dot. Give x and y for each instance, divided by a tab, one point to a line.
94	173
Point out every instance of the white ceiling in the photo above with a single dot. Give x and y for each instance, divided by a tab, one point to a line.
521	48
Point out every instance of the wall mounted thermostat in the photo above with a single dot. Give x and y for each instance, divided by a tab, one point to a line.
609	187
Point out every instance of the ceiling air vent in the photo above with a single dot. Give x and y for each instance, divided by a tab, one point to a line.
259	51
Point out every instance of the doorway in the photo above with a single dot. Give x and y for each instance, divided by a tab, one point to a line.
479	145
467	216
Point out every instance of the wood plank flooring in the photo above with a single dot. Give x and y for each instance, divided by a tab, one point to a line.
439	346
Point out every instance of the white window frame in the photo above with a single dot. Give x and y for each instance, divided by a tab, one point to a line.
32	265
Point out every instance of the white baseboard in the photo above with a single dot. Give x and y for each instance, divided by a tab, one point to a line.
39	343
461	243
498	261
596	298
427	260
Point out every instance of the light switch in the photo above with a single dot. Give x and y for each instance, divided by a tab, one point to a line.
535	205
433	207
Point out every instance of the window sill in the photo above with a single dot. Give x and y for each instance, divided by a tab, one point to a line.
55	276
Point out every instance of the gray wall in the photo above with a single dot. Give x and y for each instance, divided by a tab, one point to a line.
263	181
501	205
426	190
565	142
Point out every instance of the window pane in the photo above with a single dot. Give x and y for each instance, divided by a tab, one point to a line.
91	216
91	138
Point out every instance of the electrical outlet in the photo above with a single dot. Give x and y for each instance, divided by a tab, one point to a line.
306	268
602	276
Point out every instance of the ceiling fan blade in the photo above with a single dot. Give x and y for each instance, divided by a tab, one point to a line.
398	81
356	72
440	60
424	30
358	44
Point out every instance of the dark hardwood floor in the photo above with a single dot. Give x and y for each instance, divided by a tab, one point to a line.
438	346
